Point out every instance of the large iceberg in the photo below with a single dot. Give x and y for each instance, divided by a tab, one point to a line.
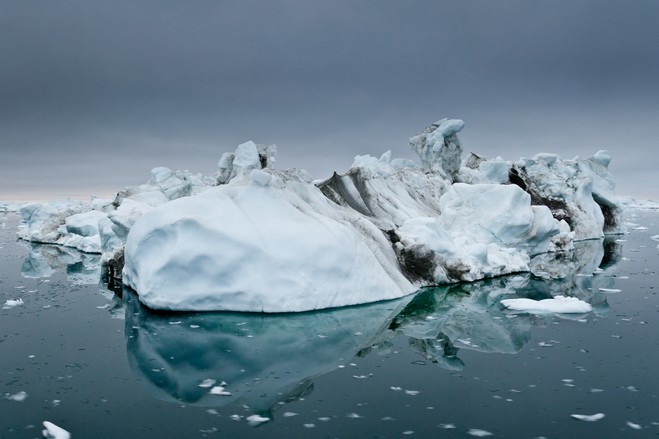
265	240
253	238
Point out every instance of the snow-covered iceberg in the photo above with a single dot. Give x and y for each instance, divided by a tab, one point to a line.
253	238
272	241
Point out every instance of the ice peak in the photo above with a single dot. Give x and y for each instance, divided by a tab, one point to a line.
247	157
439	148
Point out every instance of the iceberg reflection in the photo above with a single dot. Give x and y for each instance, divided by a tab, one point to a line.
263	359
439	321
43	260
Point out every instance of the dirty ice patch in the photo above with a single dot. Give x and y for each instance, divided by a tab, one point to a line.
558	304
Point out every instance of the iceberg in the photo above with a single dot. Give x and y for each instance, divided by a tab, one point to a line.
265	240
257	239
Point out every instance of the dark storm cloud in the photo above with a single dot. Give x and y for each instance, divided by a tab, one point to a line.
94	94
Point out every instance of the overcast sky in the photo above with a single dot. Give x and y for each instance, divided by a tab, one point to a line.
94	94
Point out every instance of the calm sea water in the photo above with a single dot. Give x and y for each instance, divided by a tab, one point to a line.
448	362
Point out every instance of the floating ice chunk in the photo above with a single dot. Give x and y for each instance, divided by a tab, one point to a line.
588	418
654	237
207	383
559	304
256	420
633	426
19	396
52	431
478	432
289	414
12	303
219	390
609	290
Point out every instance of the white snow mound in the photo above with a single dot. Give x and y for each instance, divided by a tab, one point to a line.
248	246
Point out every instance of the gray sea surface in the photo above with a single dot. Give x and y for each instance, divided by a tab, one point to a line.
445	362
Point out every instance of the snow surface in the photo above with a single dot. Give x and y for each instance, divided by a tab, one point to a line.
249	246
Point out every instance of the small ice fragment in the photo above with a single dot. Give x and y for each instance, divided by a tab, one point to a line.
447	426
289	414
219	390
396	388
478	432
598	271
309	425
588	418
256	420
558	304
178	322
208	382
194	326
52	431
609	290
412	392
431	318
12	303
595	390
324	418
212	412
56	402
634	426
360	377
544	344
107	305
19	396
353	416
642	228
235	417
387	418
408	432
631	388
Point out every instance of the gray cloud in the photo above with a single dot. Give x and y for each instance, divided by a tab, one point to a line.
93	94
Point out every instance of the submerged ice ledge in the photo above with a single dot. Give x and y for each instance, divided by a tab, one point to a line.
254	238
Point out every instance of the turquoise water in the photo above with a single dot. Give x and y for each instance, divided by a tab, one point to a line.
447	362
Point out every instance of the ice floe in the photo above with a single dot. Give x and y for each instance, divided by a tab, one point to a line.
589	418
558	304
53	431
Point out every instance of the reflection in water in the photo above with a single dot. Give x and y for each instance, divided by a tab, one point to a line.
44	260
439	321
267	359
264	359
